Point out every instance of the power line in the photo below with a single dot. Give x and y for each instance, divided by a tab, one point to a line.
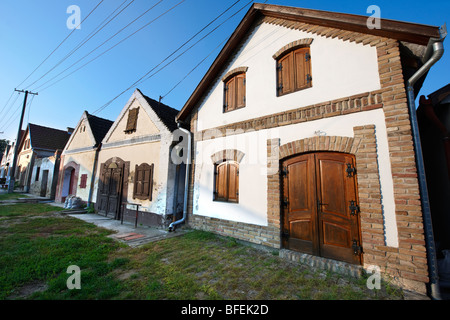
146	25
209	33
203	60
7	102
140	80
11	108
28	105
83	42
60	44
12	93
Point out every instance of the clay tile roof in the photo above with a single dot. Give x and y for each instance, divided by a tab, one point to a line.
164	112
47	138
99	127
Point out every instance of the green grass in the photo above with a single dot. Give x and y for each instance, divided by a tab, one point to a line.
25	209
37	245
12	196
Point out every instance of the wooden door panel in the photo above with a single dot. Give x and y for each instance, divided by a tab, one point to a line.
110	189
335	234
299	189
332	187
317	191
337	228
301	229
300	214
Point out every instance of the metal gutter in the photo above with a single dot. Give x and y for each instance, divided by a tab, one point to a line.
94	171
186	182
436	49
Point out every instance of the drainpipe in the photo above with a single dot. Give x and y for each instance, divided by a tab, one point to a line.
437	48
94	168
186	179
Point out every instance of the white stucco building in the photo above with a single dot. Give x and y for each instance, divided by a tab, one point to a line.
302	140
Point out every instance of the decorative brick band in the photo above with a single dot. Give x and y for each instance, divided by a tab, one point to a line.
233	72
228	154
293	45
357	103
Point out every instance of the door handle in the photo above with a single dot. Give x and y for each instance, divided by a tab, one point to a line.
320	203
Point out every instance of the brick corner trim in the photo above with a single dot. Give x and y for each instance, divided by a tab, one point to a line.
234	72
227	155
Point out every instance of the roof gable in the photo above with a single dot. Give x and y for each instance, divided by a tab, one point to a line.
89	132
329	24
158	118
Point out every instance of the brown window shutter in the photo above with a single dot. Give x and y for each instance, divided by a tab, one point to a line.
240	90
83	181
221	182
294	71
230	94
302	60
285	74
226	186
132	120
143	182
234	92
233	182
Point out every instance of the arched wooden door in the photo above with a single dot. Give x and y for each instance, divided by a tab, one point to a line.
320	211
111	187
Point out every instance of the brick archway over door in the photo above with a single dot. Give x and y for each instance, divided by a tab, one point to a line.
363	146
76	167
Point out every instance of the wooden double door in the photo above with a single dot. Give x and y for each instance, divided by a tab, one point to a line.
320	213
111	188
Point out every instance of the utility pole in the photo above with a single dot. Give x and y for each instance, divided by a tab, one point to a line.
16	146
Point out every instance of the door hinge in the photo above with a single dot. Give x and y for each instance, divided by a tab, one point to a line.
307	56
285	202
351	170
354	208
284	171
357	250
308	78
285	234
279	67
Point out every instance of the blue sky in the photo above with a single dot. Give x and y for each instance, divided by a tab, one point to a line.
30	30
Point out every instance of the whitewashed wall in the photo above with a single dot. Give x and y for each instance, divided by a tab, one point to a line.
252	206
339	69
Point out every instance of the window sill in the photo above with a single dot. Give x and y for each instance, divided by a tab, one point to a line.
226	201
292	91
226	111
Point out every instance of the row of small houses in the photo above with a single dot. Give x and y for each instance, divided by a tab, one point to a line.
300	137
